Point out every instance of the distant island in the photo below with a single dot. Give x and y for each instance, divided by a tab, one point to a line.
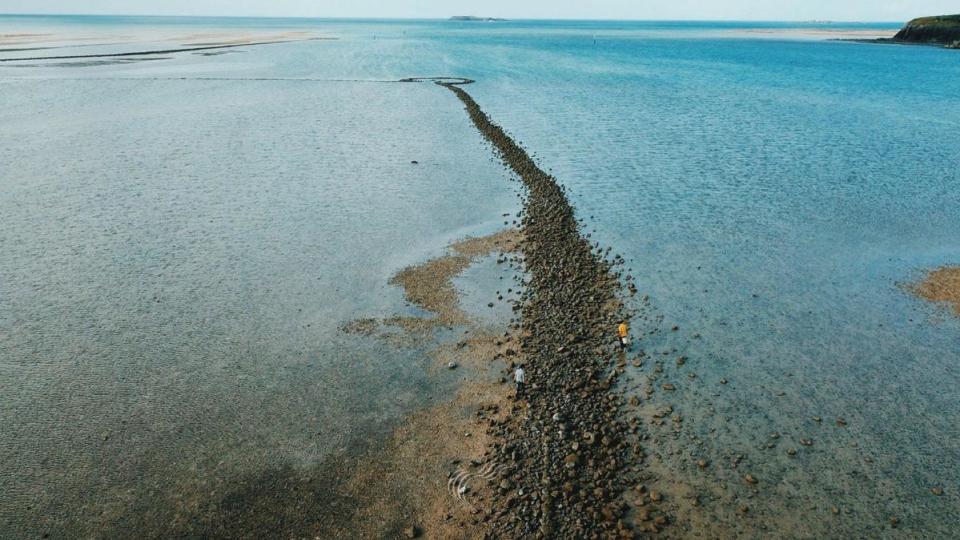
471	18
943	30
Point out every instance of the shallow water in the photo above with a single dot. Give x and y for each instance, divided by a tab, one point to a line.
773	197
177	259
171	228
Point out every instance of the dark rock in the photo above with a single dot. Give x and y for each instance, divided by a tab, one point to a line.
941	30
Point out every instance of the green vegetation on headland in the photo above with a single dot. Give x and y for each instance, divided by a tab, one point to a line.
943	30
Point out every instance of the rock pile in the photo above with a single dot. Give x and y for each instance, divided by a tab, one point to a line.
564	455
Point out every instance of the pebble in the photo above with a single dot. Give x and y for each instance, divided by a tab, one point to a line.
938	491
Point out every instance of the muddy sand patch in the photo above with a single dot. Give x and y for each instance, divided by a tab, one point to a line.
430	284
434	476
942	286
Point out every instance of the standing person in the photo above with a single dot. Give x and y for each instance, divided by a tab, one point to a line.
623	333
519	378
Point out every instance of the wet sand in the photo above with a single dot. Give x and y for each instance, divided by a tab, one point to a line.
430	286
434	470
408	483
942	286
187	43
818	33
150	52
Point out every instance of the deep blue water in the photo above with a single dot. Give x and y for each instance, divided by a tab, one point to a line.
771	192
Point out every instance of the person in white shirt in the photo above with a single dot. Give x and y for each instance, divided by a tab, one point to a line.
519	378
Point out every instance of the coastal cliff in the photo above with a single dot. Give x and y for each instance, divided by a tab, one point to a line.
942	30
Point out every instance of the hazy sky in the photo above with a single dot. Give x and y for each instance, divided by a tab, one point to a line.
852	10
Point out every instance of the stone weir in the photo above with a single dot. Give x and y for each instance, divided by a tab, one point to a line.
566	450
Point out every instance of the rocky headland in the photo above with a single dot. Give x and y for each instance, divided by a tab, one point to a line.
941	30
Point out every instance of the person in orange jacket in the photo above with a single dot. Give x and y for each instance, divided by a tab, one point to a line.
623	333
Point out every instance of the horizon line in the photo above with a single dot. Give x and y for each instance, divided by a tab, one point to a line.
503	19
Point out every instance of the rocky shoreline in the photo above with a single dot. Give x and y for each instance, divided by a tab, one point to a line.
943	30
940	31
563	454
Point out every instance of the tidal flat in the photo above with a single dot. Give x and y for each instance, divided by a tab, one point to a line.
282	291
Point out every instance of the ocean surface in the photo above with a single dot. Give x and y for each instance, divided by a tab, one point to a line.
185	233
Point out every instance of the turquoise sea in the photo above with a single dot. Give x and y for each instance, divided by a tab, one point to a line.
183	234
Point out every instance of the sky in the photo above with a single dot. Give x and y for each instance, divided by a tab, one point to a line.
750	10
